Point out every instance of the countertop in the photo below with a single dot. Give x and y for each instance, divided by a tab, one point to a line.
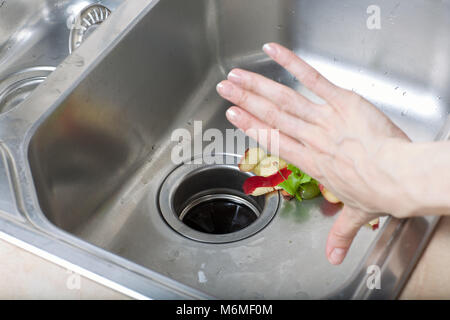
24	275
431	277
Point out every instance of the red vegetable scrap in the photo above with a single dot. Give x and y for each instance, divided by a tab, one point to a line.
255	182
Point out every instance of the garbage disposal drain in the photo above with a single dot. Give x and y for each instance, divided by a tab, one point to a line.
219	214
16	87
206	203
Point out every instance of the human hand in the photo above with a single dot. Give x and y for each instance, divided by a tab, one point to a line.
342	143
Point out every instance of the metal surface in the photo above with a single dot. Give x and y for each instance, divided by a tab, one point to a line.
85	23
16	87
86	153
34	36
188	182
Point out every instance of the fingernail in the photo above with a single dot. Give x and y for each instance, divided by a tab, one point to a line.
232	115
225	89
337	255
235	77
270	49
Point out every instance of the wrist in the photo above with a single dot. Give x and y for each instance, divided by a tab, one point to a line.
395	177
418	176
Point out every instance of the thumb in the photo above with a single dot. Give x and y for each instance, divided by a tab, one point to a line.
343	232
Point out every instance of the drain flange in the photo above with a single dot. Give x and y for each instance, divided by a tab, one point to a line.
85	23
18	86
206	203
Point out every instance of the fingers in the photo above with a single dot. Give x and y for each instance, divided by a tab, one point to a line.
286	147
343	232
271	114
287	99
306	74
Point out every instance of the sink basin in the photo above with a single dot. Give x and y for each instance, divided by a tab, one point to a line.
34	40
87	154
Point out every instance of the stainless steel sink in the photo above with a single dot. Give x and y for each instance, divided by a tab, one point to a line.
35	37
86	154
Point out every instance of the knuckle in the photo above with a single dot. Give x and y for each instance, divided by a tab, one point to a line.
243	97
312	113
285	98
243	123
347	92
271	116
251	82
247	125
357	218
287	59
312	78
342	236
351	96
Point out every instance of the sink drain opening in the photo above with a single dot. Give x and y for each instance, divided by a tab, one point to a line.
85	23
219	214
16	87
206	203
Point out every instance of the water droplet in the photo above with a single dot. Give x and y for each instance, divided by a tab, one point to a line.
404	93
396	88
